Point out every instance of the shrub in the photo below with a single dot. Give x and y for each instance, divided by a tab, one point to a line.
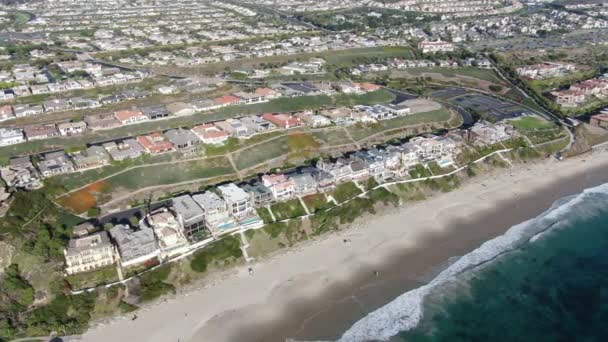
221	250
153	283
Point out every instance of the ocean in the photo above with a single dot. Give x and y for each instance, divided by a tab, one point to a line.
545	279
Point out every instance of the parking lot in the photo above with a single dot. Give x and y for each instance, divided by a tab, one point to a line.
448	93
484	104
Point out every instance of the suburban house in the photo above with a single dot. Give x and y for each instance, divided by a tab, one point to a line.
282	188
205	105
210	134
182	139
568	97
238	201
128	148
88	253
6	113
256	124
134	246
190	216
94	156
249	98
217	215
56	105
42	131
101	121
155	112
227	100
27	110
181	108
55	163
283	120
267	93
234	127
127	117
11	136
155	143
436	46
72	128
313	120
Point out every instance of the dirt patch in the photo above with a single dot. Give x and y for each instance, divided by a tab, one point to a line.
84	199
422	105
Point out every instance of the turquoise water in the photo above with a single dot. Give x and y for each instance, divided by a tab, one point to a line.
544	280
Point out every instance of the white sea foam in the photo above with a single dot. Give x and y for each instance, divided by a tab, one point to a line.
405	312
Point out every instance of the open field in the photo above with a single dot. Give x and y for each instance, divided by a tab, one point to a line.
147	176
260	153
360	132
463	76
479	73
277	105
338	58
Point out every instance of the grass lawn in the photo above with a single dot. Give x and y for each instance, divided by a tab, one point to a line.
264	214
361	131
346	191
103	275
289	209
316	202
537	129
527	123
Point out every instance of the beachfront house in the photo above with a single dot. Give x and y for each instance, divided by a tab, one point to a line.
238	201
89	253
134	245
217	215
260	194
282	187
190	216
167	230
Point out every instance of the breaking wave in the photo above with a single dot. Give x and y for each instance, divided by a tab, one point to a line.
406	311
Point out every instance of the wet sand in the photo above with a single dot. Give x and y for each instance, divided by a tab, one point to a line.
318	289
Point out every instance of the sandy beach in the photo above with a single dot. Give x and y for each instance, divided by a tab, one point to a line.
319	288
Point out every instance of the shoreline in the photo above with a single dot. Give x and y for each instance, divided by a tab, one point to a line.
318	289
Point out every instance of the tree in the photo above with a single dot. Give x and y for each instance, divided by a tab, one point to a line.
134	221
495	88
